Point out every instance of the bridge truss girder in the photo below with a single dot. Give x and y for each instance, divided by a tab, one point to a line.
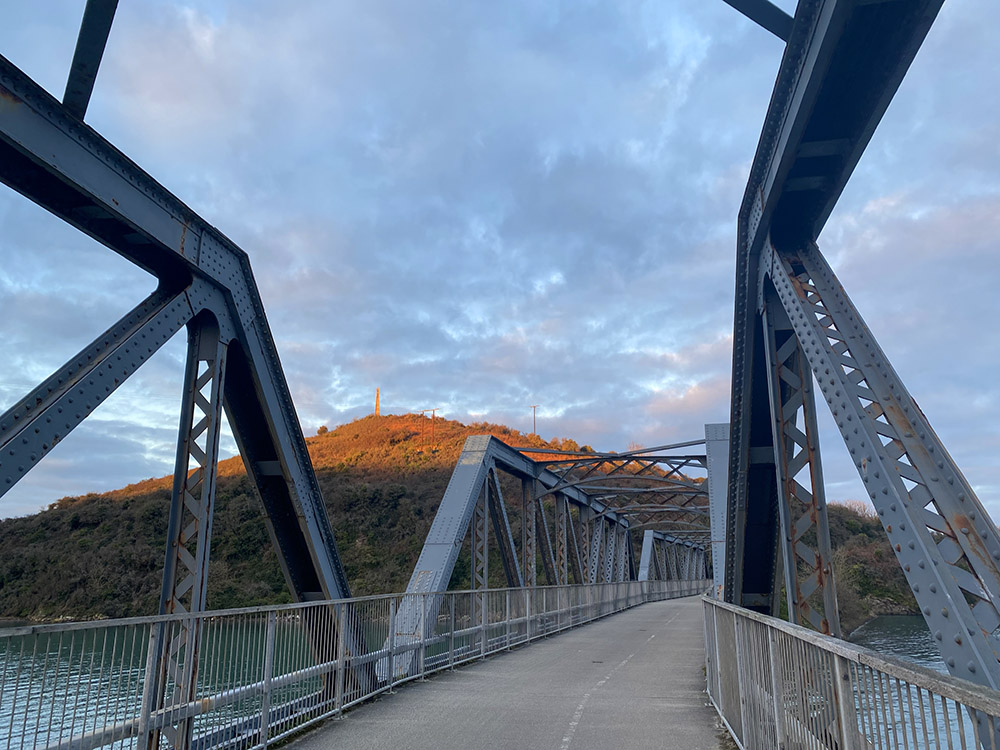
205	284
571	530
794	322
666	558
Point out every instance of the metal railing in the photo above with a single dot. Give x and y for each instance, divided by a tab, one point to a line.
778	685
264	673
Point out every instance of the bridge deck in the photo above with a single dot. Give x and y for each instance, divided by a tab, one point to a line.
634	680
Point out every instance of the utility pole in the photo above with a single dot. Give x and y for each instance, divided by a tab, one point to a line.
432	411
377	411
534	427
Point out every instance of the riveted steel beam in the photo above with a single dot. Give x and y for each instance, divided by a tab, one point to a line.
576	561
562	541
805	531
503	534
189	531
942	536
842	64
50	157
646	564
529	534
766	15
98	16
717	455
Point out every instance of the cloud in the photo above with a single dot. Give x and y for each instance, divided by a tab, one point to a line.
482	206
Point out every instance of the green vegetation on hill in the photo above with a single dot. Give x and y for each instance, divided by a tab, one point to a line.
382	479
102	555
869	579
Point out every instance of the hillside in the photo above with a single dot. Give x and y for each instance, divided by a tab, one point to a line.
101	555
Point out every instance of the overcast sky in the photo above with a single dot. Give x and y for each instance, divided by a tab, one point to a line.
479	206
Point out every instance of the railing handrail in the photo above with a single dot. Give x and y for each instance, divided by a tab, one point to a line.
954	688
66	685
54	627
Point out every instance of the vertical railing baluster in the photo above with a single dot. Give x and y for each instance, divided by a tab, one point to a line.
423	636
265	707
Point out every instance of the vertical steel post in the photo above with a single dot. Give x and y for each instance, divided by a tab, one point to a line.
585	532
799	476
717	459
530	521
189	531
611	539
562	556
527	547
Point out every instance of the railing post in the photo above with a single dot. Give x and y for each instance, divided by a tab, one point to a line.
846	712
451	638
423	636
341	674
156	639
741	683
777	690
718	660
528	596
545	611
508	619
483	619
392	642
265	707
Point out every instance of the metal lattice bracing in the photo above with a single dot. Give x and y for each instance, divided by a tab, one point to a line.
794	322
562	541
573	527
807	559
189	531
529	534
67	168
944	539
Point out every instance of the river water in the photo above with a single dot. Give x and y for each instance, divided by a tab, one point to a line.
905	636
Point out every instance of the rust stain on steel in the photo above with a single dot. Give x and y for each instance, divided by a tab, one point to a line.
9	97
184	230
974	544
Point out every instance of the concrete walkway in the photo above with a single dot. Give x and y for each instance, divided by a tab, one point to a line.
635	680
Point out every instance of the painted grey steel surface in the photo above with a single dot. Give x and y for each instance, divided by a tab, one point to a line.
474	493
804	538
717	456
98	16
941	534
776	684
832	88
790	308
49	156
767	15
481	452
189	530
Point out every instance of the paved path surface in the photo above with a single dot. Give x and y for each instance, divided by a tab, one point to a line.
633	680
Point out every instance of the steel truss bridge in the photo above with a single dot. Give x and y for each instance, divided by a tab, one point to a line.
749	498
